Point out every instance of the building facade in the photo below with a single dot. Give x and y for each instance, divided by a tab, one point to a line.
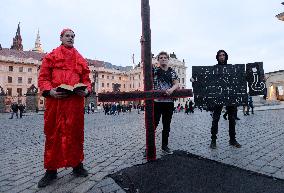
19	71
275	85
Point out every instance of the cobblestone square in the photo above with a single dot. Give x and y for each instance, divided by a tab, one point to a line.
116	142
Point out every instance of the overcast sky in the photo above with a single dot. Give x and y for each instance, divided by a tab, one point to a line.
110	30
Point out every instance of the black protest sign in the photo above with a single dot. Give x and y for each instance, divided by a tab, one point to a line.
219	85
255	79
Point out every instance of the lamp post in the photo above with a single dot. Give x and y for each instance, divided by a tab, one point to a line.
280	16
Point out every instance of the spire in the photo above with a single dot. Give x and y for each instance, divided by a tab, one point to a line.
37	47
17	40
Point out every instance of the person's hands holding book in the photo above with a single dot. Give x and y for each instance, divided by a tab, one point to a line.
78	89
57	95
81	92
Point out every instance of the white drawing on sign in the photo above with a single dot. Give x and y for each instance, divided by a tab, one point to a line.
256	86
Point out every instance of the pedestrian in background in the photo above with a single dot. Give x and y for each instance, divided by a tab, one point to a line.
14	108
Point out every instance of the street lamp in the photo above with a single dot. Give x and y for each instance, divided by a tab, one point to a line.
280	16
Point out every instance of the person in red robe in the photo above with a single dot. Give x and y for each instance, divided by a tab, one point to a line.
64	112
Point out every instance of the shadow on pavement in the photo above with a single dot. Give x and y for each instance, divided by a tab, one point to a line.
183	172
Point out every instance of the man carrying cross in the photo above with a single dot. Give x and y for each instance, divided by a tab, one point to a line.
148	95
166	79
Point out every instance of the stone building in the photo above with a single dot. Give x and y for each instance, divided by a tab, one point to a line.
131	78
19	72
275	85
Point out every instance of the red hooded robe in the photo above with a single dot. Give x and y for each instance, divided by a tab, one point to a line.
63	118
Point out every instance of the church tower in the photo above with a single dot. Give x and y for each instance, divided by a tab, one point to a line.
17	40
37	47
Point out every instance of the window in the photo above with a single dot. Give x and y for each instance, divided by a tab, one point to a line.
123	85
41	101
20	79
133	77
107	77
112	77
103	76
130	86
280	90
182	80
21	69
9	91
19	91
103	84
10	79
139	77
11	68
139	85
29	69
107	84
119	78
30	80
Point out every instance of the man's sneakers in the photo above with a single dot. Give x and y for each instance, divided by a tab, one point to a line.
231	142
47	179
167	150
235	143
80	171
213	144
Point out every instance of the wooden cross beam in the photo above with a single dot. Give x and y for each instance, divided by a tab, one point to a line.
149	94
142	95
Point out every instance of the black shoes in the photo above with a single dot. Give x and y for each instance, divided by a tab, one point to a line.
237	118
50	175
235	144
47	179
213	144
167	150
80	171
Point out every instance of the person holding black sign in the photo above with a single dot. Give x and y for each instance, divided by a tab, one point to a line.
222	58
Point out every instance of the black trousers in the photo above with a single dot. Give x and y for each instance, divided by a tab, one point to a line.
232	121
164	109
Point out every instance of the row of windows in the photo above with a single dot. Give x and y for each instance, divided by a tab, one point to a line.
133	77
21	69
112	77
20	80
103	85
19	91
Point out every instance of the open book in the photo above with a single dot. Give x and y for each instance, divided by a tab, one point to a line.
71	89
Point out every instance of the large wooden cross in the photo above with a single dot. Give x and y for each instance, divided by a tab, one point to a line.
148	94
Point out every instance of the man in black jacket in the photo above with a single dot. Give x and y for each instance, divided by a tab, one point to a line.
222	58
15	109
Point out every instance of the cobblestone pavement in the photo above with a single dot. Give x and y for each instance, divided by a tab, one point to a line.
116	142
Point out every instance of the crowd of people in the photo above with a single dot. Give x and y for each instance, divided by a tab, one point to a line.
117	108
